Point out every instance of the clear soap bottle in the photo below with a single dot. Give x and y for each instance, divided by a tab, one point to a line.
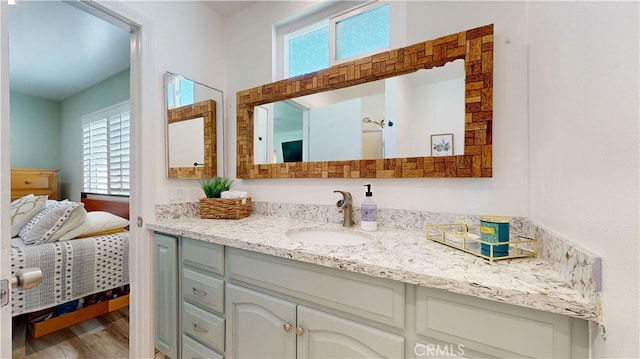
369	212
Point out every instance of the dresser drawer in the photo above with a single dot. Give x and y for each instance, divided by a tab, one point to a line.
36	181
377	299
204	326
192	349
203	290
203	255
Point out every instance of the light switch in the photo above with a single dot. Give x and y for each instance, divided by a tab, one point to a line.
172	194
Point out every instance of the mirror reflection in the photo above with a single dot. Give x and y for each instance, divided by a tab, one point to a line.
389	118
186	153
194	136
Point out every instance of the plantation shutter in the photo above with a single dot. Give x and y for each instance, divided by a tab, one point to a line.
106	150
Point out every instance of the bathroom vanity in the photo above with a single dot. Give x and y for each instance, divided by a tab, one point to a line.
240	289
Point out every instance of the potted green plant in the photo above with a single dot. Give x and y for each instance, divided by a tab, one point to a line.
212	187
212	206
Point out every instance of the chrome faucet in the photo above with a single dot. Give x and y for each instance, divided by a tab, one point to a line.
346	204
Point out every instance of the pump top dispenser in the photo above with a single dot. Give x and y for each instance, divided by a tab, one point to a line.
369	211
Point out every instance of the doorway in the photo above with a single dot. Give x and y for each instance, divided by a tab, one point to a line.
115	14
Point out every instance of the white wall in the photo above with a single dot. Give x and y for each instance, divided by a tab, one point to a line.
435	109
335	131
188	40
584	146
250	32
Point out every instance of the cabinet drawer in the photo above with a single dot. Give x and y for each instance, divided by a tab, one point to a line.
191	349
203	255
372	298
204	326
203	290
490	327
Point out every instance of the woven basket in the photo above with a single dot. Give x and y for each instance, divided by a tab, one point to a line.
225	208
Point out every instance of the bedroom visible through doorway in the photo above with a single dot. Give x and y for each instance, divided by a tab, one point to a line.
64	62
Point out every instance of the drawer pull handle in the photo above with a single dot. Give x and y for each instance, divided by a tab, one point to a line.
287	327
27	182
199	292
198	329
299	331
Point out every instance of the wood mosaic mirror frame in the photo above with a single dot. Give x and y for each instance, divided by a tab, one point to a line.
475	46
207	110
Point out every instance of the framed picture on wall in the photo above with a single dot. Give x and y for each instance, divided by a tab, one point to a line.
442	144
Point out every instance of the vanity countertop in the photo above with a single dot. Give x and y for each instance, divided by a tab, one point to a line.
405	256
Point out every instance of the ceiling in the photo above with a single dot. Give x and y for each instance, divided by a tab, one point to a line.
57	50
228	8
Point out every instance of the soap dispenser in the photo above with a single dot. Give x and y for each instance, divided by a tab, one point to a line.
369	212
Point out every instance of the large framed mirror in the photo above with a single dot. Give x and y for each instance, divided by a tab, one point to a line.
194	117
406	107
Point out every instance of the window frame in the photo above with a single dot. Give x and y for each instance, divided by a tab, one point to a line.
333	23
330	14
286	37
105	114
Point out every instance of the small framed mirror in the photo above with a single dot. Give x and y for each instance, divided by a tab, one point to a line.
194	117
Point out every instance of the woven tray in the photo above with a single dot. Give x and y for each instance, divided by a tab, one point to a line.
225	208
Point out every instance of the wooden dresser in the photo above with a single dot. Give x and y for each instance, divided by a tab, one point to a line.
34	180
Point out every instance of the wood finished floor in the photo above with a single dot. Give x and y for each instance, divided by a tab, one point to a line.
106	336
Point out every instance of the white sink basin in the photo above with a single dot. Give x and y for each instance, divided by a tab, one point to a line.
327	237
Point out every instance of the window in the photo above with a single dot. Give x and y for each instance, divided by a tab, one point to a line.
363	32
106	149
335	38
180	92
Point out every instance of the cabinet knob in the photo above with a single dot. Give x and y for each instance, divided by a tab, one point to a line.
287	327
201	293
299	331
198	329
27	182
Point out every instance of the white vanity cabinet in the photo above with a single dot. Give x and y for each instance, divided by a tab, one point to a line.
473	328
165	253
189	297
262	325
290	323
215	301
202	292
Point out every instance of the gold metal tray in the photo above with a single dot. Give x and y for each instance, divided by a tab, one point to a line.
457	235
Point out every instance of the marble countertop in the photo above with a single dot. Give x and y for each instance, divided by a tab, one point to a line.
405	256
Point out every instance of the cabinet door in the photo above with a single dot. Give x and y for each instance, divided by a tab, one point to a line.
259	325
322	335
165	272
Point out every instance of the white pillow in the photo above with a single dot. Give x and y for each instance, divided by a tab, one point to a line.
51	219
53	202
74	221
23	209
95	223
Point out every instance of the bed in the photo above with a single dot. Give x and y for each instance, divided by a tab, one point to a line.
71	270
74	269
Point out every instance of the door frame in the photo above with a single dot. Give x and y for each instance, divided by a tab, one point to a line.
143	93
5	181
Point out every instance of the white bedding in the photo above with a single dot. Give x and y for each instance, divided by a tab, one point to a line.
70	269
